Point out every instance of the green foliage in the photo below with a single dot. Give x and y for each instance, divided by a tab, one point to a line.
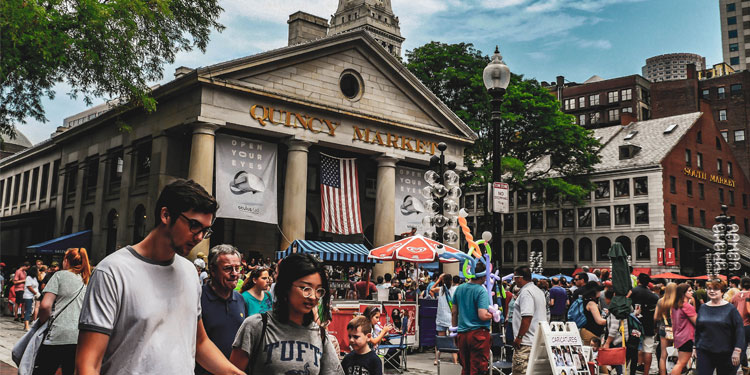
98	47
533	130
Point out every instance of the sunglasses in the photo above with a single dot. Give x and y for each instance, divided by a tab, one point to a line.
196	227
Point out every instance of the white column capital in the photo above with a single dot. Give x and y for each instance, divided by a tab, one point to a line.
298	145
205	128
387	160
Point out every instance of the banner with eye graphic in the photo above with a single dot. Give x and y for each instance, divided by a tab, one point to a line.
409	208
246	179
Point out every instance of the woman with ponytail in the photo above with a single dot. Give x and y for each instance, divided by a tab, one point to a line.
64	295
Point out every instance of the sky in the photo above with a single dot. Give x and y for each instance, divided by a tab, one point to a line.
540	39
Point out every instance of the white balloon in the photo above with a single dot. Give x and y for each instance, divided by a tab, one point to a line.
486	236
462	212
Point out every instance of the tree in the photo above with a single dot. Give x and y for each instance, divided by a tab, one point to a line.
534	131
98	47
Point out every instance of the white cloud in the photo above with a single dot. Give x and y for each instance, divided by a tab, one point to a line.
596	44
275	10
497	4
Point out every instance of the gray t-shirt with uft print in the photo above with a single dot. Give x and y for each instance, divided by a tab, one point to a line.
150	311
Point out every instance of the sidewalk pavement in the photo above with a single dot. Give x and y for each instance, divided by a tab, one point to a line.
417	363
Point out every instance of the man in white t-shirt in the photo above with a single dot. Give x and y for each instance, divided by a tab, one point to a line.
530	309
142	310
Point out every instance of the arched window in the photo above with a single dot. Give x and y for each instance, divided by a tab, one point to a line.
537	246
508	252
112	218
553	250
568	250
602	248
89	222
626	244
642	248
68	225
139	224
584	250
523	251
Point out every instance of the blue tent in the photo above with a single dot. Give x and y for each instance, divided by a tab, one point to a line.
561	276
61	244
534	276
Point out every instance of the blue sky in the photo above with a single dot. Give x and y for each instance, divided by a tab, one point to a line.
538	38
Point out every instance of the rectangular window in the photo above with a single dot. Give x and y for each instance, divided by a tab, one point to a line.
508	223
523	198
699	160
734	47
481	202
582	120
581	102
701	191
718	166
613	96
735	88
640	186
672	185
641	213
734	60
34	184
744	200
71	182
705	94
16	187
689	186
723	116
691	219
721	195
732	20
115	165
25	188
702	217
602	190
699	138
55	178
602	217
673	213
537	197
90	177
627	94
584	217
614	114
594	118
537	220
44	182
622	215
732	34
142	159
688	158
569	218
569	104
627	110
721	93
622	188
739	136
553	218
731	197
523	221
730	170
731	7
594	100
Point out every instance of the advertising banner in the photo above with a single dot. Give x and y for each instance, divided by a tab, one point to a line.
246	179
558	350
410	209
660	256
669	257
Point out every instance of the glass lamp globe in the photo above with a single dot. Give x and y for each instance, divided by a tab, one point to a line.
496	74
431	177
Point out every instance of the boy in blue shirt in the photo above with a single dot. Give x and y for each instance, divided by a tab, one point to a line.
362	360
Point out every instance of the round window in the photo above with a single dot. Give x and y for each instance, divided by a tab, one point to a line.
350	85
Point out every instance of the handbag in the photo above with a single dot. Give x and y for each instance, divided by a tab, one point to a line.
25	351
613	356
668	329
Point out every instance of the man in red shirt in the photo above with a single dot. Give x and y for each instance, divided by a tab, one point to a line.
365	288
19	280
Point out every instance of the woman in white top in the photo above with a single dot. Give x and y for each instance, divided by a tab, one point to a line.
444	289
30	292
65	291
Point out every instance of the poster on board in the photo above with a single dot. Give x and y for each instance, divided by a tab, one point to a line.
246	179
410	205
558	350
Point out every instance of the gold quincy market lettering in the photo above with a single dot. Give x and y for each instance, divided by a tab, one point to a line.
388	139
269	115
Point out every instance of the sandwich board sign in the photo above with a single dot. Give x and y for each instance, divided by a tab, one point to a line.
558	350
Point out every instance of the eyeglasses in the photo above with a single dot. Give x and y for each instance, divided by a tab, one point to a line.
229	269
307	291
196	227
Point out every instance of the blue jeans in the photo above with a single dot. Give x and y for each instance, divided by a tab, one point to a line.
721	362
28	309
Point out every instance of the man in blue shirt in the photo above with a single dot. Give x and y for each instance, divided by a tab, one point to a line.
223	309
558	300
470	313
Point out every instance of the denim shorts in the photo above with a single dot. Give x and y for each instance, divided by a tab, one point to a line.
439	328
28	309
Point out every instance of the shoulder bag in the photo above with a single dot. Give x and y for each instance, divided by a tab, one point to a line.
668	329
613	356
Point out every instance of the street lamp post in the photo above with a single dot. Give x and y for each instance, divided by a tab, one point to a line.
496	77
726	256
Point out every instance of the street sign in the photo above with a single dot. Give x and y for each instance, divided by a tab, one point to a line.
500	196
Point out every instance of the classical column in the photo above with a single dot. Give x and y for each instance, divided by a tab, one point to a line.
295	193
385	209
201	167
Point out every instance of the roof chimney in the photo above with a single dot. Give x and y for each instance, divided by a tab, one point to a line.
304	27
626	118
181	71
690	71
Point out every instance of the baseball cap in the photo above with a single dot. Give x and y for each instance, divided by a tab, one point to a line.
199	263
2	264
55	264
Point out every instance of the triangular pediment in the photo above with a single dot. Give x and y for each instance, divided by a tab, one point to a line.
311	72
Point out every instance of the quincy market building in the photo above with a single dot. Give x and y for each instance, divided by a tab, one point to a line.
251	131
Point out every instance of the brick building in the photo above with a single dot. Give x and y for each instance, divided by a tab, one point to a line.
729	99
598	102
659	185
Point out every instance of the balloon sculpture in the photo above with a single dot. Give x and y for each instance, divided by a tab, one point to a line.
469	261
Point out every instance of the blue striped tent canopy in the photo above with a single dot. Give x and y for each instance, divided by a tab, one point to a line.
330	251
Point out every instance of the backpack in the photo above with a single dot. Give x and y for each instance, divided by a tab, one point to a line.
635	334
575	313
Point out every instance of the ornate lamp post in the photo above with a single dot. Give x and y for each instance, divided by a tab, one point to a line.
496	77
726	256
441	194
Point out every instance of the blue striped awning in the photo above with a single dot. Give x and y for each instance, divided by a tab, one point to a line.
61	244
330	251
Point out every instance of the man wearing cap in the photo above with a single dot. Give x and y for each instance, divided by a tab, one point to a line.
643	296
528	311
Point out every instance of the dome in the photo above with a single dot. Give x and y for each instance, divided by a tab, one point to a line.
16	144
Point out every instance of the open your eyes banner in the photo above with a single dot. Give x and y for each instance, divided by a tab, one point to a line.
409	201
246	179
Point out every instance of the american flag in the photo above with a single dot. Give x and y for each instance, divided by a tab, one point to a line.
339	195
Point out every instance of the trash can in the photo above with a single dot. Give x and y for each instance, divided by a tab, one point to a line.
427	315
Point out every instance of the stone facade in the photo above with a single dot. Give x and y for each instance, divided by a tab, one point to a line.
735	32
671	66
